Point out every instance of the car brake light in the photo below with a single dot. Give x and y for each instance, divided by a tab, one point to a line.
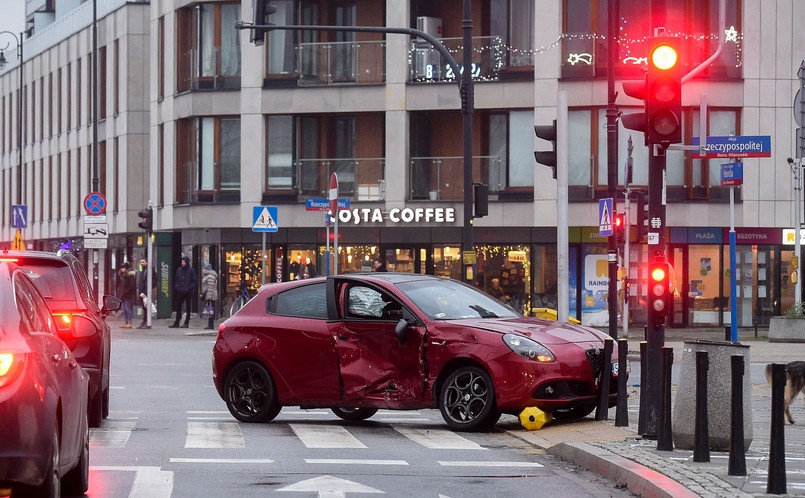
63	320
10	366
9	260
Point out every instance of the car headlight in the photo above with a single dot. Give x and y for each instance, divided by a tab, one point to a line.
528	349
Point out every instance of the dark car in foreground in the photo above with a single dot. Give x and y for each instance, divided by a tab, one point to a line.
361	342
44	431
63	282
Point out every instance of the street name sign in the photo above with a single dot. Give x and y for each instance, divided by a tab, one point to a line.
734	147
732	174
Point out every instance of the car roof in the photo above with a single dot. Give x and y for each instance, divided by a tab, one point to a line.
390	277
60	256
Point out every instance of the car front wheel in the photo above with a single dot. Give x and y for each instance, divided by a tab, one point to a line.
467	400
354	413
250	393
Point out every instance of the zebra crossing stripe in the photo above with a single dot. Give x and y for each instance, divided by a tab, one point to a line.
438	439
325	436
214	435
353	461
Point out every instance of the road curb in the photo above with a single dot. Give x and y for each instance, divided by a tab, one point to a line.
638	479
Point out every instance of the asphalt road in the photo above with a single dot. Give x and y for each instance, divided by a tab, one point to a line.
169	435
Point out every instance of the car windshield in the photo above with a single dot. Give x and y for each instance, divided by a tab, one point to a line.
52	279
445	299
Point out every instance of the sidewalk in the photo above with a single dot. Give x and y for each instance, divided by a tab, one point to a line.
621	455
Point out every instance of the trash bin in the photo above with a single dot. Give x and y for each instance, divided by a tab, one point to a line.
719	392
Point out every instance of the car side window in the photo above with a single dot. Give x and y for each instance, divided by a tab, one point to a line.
307	301
42	319
364	302
84	286
24	305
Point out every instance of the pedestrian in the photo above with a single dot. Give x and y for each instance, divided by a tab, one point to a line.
380	265
184	283
209	292
125	291
497	291
142	289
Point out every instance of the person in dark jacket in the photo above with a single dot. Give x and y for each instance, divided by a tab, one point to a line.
125	291
185	284
142	288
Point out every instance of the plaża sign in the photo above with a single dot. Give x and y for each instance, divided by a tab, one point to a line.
398	215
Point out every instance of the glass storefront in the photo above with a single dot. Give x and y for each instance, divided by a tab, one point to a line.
510	265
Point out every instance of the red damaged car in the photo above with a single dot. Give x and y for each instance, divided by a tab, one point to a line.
360	342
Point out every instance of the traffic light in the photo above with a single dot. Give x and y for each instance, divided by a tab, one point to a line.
636	120
261	10
548	158
481	198
148	220
663	92
660	290
642	216
619	227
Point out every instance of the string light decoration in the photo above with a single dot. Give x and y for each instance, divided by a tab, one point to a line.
498	52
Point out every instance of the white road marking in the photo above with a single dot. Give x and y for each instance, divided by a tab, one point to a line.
117	387
330	487
214	435
150	482
175	388
207	412
221	460
349	461
403	420
325	436
438	439
113	434
475	463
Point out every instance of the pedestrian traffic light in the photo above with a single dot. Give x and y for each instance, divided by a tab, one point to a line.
661	288
619	226
548	158
148	220
636	120
261	10
663	92
481	197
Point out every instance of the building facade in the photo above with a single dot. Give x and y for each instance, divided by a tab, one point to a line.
205	126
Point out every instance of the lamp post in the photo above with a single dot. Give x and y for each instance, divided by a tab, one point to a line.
3	63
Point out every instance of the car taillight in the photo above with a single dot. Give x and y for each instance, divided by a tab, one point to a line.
63	320
9	260
10	367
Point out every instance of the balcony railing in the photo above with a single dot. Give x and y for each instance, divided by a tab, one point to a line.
361	179
428	65
216	70
341	63
442	178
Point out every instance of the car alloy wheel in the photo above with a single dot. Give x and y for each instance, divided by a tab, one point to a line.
76	481
250	393
354	413
467	400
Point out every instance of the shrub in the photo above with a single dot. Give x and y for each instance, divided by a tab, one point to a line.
795	311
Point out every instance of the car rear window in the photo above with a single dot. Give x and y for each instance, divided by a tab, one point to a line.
308	301
52	278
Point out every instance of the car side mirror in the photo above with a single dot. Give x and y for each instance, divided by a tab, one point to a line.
110	303
83	327
403	330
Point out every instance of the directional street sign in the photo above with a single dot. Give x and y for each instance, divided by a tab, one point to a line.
605	217
264	219
95	203
19	216
734	147
324	204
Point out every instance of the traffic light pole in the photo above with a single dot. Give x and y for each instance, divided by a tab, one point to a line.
612	163
655	327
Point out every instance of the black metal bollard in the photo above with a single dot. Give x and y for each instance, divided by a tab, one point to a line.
737	463
728	333
641	416
665	438
602	411
701	434
776	484
622	410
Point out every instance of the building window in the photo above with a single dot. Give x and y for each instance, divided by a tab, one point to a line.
161	58
101	83
208	157
280	51
584	45
116	79
513	22
209	47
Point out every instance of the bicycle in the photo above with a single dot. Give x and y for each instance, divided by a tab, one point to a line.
240	300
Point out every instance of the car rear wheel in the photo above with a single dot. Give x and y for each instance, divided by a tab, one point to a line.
76	481
95	410
354	413
51	486
467	400
250	393
573	412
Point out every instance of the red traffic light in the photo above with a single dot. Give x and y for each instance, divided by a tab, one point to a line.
663	56
619	222
658	274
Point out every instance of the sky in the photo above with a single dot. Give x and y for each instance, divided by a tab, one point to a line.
12	18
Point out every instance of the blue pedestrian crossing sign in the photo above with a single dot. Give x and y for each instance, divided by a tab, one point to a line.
264	219
605	217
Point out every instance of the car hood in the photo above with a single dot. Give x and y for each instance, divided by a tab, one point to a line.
546	332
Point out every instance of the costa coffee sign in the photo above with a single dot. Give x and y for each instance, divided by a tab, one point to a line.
398	215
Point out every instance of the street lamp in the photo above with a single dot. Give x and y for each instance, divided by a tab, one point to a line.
3	63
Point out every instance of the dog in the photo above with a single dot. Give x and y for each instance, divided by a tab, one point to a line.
794	384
